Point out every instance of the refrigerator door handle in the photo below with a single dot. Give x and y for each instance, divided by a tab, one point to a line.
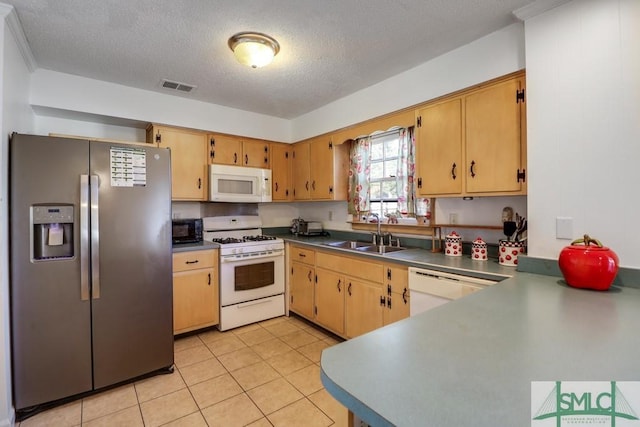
84	237
95	239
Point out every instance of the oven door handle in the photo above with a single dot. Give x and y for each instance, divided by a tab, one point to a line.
239	258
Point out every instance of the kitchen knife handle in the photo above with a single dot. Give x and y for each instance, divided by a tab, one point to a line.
95	238
84	237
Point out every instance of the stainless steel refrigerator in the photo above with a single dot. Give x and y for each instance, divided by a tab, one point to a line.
90	267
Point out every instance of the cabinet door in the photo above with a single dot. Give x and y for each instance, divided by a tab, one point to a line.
301	289
321	168
329	299
225	150
255	153
397	293
364	307
195	299
188	162
301	185
281	172
439	149
493	138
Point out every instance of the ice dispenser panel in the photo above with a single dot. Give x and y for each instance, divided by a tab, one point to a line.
52	232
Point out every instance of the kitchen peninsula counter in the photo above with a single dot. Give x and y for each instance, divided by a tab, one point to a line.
471	362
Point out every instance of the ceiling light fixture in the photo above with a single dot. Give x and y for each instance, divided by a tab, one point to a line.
254	49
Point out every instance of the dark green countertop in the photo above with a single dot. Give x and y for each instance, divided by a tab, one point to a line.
471	362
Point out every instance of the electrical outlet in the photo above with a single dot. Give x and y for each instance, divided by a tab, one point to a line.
453	218
564	228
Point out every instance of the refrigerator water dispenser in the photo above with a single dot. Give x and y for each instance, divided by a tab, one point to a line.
52	227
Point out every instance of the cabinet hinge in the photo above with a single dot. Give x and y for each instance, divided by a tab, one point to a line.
316	279
383	301
389	290
389	302
519	96
330	145
521	175
286	192
212	142
388	274
315	310
419	124
158	138
419	182
286	154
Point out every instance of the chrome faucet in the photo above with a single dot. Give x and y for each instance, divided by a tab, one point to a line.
377	238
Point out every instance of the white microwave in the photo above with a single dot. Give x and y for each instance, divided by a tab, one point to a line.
239	184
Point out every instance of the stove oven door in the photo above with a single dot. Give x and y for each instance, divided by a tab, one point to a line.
251	276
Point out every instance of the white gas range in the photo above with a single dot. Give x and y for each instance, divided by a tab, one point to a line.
251	270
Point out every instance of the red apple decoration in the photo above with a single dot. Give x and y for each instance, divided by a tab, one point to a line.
587	264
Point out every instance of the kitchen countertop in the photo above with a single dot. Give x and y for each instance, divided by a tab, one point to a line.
490	269
471	362
187	247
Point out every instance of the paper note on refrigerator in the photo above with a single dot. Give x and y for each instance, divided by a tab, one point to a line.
128	167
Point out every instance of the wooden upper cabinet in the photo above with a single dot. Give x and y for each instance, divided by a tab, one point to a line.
473	143
439	151
320	169
234	150
493	138
281	159
301	171
188	160
255	153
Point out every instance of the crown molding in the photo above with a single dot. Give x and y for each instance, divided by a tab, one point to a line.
536	8
11	18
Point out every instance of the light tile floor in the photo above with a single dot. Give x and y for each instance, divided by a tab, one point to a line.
265	374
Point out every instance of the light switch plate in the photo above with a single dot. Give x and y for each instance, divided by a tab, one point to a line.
564	228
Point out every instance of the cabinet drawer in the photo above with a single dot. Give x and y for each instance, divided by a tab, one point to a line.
306	256
353	267
183	261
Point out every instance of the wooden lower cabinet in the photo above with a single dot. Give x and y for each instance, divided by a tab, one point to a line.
364	307
397	298
348	295
301	289
329	300
195	290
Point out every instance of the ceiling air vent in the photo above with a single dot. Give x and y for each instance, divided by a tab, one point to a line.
183	87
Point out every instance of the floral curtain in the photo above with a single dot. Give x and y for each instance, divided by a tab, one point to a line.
359	167
408	203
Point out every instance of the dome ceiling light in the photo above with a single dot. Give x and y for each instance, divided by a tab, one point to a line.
254	49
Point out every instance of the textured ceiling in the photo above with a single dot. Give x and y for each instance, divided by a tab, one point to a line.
329	48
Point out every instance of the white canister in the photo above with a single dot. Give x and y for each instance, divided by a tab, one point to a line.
508	252
453	244
479	250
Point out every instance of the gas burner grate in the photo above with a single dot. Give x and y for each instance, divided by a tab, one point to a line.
257	238
226	240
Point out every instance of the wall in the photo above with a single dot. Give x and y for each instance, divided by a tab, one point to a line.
60	92
15	115
583	64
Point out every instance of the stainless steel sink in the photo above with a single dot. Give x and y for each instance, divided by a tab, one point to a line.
379	249
351	244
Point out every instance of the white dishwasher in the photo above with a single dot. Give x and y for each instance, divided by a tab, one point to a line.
431	288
